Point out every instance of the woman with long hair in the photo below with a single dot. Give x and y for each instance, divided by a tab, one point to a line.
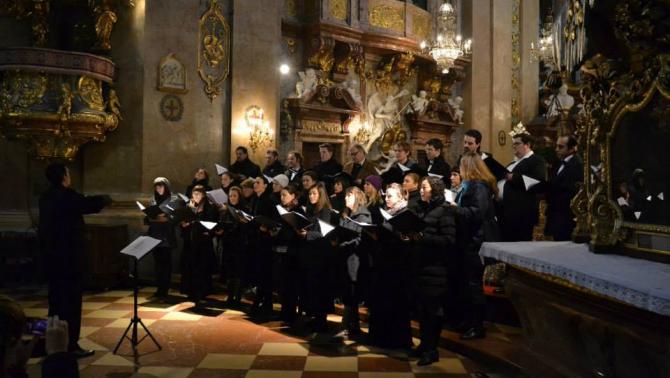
200	253
431	248
476	224
389	298
316	257
353	258
411	183
372	188
161	227
228	180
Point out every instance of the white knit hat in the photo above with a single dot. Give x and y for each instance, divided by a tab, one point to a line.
162	180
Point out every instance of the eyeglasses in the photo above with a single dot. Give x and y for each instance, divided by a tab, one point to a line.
516	144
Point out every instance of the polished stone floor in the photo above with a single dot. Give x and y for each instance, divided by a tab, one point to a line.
223	342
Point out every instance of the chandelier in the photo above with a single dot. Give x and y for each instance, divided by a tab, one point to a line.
259	129
448	44
543	50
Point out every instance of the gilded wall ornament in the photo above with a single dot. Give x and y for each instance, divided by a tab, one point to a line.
90	91
171	107
321	126
516	63
338	9
65	108
291	7
421	25
171	75
105	18
322	56
213	49
22	89
387	15
40	26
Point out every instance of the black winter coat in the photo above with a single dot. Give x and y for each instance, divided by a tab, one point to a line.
475	217
429	255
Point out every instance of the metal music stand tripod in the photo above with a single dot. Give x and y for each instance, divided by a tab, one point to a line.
137	249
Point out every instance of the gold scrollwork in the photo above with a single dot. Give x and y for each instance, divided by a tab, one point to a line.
338	9
213	49
90	92
322	57
321	126
386	16
291	7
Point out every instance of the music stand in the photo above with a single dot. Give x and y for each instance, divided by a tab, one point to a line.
137	249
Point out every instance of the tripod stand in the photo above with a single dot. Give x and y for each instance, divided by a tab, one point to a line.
134	342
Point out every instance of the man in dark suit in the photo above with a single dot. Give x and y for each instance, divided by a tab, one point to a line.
62	235
244	167
472	141
520	201
562	188
294	170
328	167
435	162
403	164
359	167
273	166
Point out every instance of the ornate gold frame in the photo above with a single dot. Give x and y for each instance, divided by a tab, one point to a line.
158	75
607	99
213	49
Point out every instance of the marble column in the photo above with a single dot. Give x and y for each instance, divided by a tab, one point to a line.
255	69
530	72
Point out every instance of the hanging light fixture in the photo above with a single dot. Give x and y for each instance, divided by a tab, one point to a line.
543	49
448	45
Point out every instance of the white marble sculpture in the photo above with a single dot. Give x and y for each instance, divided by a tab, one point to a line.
418	104
352	87
307	83
455	104
561	102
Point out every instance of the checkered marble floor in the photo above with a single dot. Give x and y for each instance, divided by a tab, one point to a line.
221	342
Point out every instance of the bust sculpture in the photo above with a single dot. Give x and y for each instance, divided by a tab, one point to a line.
560	102
455	104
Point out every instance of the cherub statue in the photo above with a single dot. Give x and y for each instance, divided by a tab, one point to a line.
456	107
307	83
418	104
114	105
65	107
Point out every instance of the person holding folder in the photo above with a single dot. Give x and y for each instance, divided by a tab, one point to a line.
234	241
353	259
375	200
435	164
403	164
389	297
62	236
430	250
475	215
162	228
520	191
411	186
316	257
286	247
199	250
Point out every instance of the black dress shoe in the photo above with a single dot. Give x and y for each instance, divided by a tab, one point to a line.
474	333
82	353
428	358
415	352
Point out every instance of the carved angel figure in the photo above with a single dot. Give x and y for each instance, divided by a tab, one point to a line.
352	87
214	51
114	105
560	102
65	107
455	104
418	104
307	83
104	23
383	113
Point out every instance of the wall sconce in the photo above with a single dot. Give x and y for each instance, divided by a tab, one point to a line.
259	129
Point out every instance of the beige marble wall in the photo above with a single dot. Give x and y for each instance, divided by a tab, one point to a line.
530	72
255	68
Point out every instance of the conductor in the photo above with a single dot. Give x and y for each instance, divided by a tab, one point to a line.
62	241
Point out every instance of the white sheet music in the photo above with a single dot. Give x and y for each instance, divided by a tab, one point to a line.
501	187
529	182
140	205
325	227
183	197
435	175
208	225
402	167
449	196
281	210
220	169
140	246
217	196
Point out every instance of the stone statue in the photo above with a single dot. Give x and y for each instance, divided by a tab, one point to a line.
418	104
456	107
561	102
114	105
307	83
